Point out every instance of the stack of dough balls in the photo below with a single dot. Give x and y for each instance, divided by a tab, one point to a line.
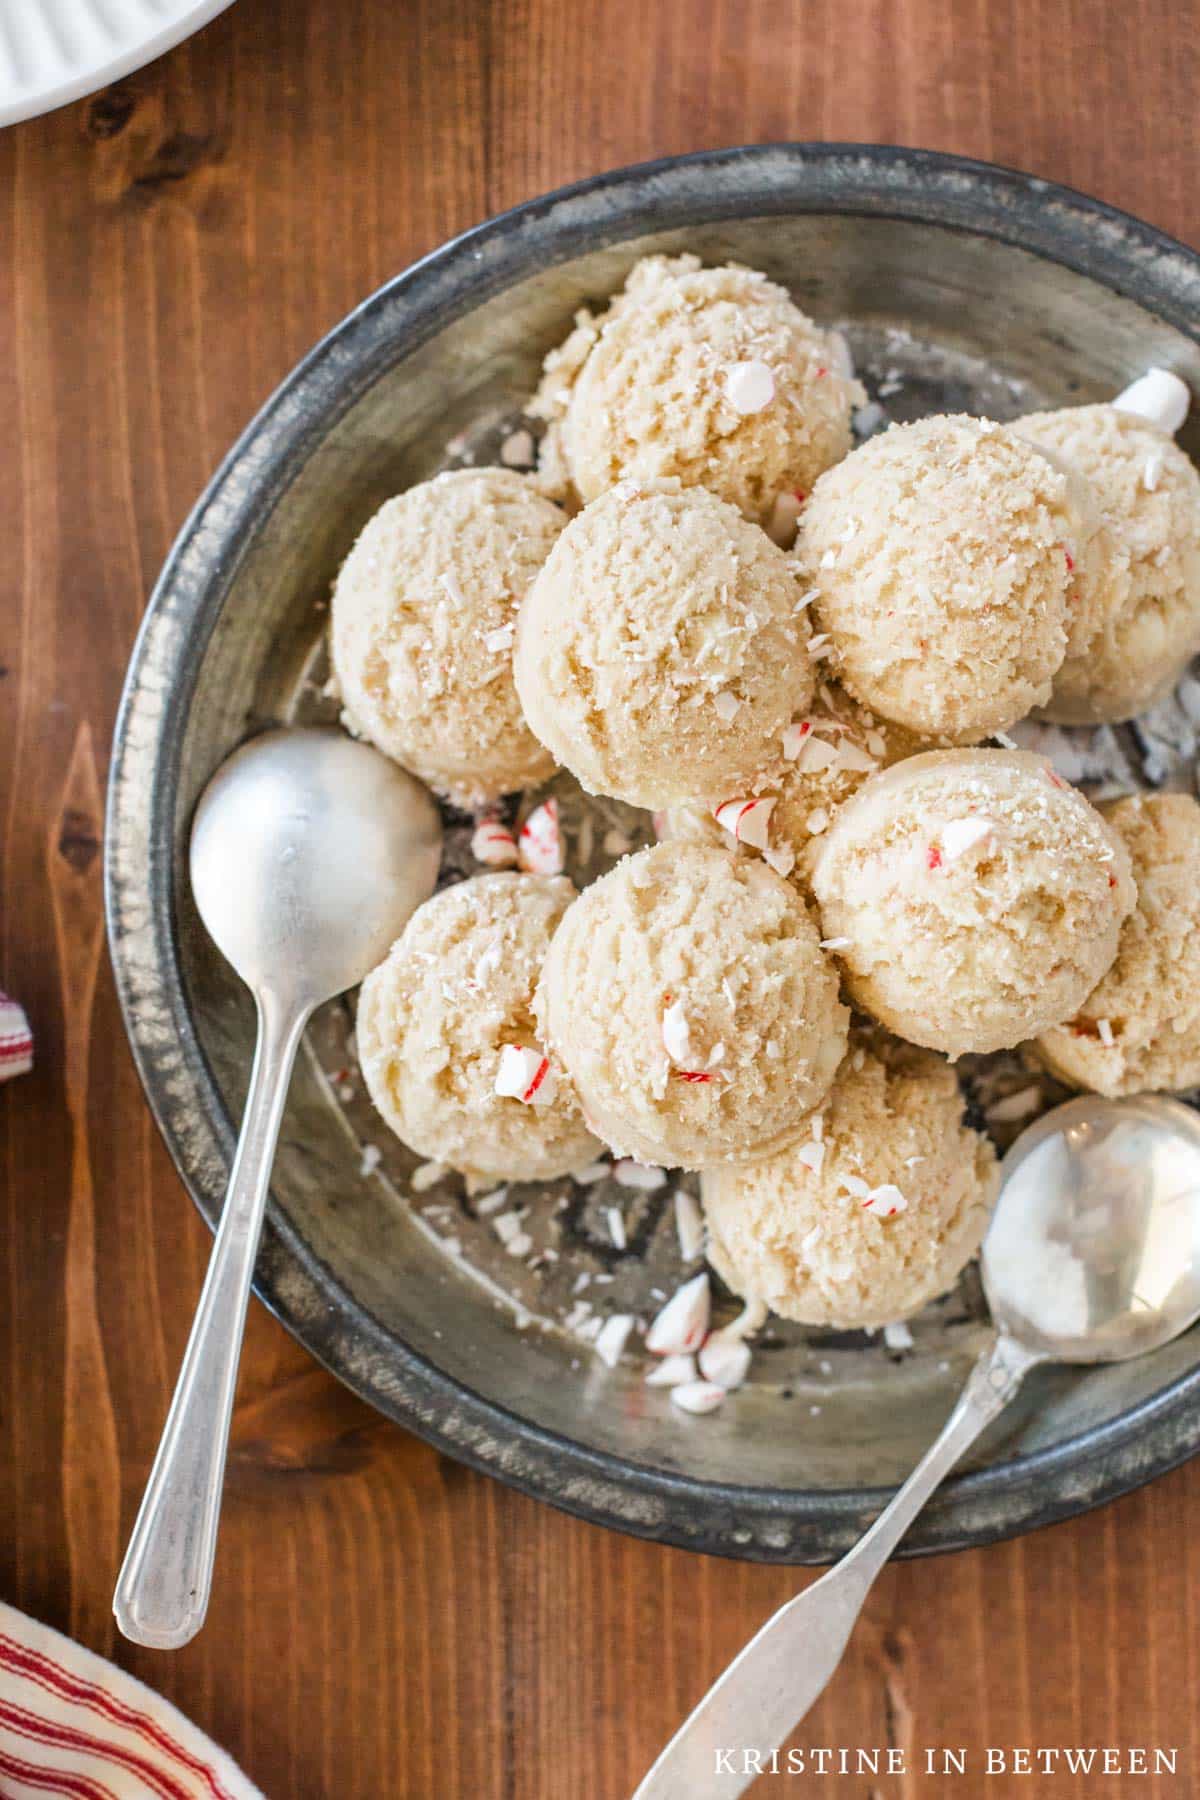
809	722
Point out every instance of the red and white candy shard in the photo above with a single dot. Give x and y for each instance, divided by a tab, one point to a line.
724	1361
627	1172
16	1040
525	1075
886	1200
613	1337
812	1155
697	1396
494	844
689	1225
961	835
672	1371
682	1325
539	846
1157	396
749	386
795	737
748	821
676	1035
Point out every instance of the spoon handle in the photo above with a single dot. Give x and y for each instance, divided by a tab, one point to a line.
162	1591
769	1687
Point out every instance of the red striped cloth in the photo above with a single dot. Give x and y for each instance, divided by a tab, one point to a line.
76	1726
16	1040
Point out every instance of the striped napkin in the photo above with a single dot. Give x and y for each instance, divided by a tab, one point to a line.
74	1725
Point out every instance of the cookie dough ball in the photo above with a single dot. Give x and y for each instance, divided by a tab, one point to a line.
823	758
875	1213
659	652
941	553
1140	1029
974	899
1139	617
687	996
422	626
713	376
435	1018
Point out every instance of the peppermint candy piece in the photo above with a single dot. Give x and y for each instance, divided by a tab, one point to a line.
539	844
525	1075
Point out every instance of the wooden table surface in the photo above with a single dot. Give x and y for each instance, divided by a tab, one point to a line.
384	1622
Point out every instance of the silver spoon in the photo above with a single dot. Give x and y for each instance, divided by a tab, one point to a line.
1092	1256
309	853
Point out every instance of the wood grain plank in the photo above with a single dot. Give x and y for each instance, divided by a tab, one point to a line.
386	1623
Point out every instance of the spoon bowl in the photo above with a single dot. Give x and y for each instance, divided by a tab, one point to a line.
1093	1253
309	852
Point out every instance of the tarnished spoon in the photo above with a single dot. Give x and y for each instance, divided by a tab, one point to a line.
309	853
1092	1256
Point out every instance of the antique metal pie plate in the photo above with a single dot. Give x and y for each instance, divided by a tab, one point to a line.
961	285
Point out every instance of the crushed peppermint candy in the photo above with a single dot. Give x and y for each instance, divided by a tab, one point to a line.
746	821
591	1173
1011	1107
697	1396
616	1227
16	1040
726	705
371	1158
509	1228
819	646
494	844
840	943
627	1172
815	755
676	1035
961	835
749	386
518	450
672	1371
682	1324
812	1155
817	821
539	843
1104	1032
1151	472
614	1335
491	1203
427	1175
782	859
885	1201
500	639
724	1361
795	737
1159	397
689	1225
897	1336
783	518
525	1075
451	584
